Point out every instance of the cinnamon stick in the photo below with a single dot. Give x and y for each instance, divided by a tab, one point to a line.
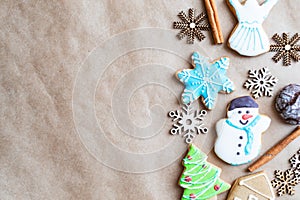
213	19
269	155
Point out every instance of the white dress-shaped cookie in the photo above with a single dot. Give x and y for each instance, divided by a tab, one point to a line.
249	38
239	136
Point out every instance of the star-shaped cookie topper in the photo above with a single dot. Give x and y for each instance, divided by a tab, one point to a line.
286	48
205	80
191	26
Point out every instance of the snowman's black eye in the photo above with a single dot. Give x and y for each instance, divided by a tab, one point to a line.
240	112
247	111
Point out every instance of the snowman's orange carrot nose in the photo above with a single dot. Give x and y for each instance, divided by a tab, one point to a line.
245	116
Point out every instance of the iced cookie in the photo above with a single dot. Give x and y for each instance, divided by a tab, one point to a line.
239	135
287	103
248	38
200	179
252	187
205	80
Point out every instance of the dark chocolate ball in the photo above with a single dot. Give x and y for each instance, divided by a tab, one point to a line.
287	103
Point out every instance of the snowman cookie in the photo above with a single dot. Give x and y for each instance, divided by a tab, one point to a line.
239	135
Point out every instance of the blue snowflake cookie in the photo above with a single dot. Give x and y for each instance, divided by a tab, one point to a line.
206	80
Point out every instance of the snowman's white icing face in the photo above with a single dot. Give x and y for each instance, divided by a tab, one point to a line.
242	116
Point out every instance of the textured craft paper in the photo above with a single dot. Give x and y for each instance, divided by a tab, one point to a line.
47	47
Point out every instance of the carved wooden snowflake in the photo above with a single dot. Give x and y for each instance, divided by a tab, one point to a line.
188	121
295	161
260	82
191	26
285	182
286	48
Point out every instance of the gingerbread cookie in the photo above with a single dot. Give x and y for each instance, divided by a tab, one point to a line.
252	187
287	103
239	135
248	38
205	80
200	179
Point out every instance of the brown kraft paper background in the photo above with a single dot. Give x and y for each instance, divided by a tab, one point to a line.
85	88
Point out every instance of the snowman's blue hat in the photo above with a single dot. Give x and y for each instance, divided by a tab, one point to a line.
242	102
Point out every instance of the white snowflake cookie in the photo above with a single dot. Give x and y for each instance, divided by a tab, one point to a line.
188	122
239	135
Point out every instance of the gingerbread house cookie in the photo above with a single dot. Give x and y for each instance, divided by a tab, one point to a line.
252	187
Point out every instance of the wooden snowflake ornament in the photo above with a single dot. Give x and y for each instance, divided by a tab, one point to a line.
285	182
295	161
191	26
261	82
295	164
286	48
188	122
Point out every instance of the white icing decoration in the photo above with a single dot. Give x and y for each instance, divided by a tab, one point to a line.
242	182
233	144
236	198
252	197
249	37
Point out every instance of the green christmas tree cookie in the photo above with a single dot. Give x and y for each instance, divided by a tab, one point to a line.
200	179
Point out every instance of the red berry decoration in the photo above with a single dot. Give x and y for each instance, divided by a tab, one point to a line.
189	157
192	196
188	179
216	187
